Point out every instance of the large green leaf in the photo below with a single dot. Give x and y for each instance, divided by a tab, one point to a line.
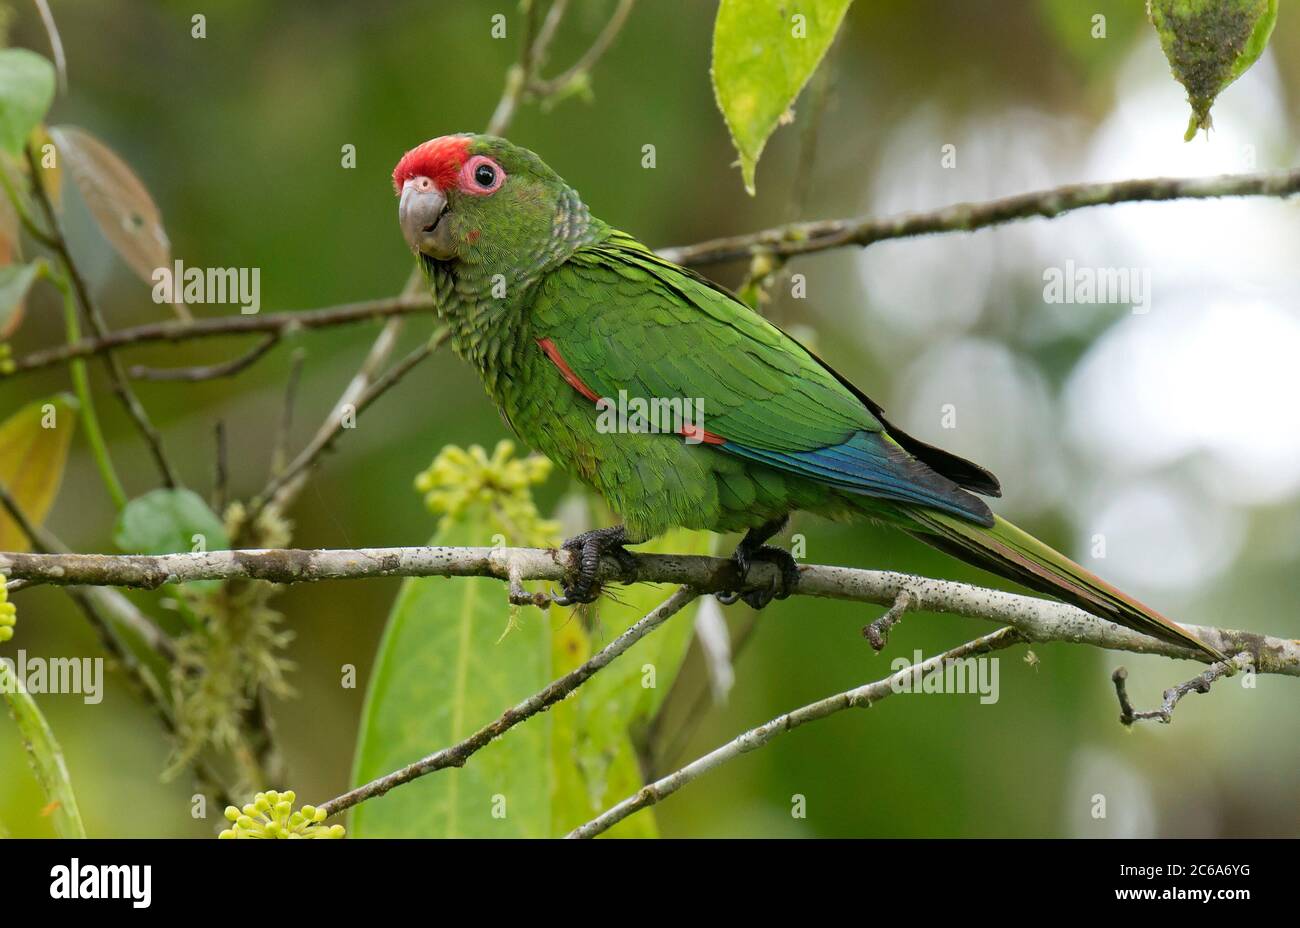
33	451
444	669
168	521
45	755
763	54
26	91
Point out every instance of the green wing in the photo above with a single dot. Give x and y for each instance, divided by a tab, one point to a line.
622	319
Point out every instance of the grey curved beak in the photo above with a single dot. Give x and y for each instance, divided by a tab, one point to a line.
420	212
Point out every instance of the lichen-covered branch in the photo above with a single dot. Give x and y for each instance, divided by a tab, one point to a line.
800	238
861	697
1036	619
1200	683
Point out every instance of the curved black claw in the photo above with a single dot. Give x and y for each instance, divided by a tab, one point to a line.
784	583
589	548
751	549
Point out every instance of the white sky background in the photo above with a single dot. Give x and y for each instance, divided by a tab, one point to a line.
1173	420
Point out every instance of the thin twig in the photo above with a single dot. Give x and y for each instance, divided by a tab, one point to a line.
38	538
457	754
646	749
519	74
203	372
860	697
537	49
116	375
282	486
1198	684
56	43
280	447
800	238
549	87
100	607
46	543
1037	619
220	468
282	323
877	633
106	610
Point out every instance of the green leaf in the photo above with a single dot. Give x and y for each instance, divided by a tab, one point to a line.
15	281
26	91
45	755
445	669
33	451
763	54
166	522
1209	44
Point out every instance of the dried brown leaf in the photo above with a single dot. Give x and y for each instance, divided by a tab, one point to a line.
121	205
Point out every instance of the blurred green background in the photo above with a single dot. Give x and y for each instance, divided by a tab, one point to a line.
1175	433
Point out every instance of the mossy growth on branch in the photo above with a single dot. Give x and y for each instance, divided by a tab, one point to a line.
1209	44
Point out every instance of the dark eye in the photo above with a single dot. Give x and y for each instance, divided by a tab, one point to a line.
485	175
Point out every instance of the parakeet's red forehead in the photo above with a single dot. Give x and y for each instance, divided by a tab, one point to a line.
438	159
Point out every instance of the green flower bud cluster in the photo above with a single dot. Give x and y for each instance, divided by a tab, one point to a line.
460	478
8	613
271	815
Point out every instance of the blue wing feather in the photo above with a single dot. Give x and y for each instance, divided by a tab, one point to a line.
870	464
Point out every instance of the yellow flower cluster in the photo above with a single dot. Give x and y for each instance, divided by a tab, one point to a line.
271	815
460	478
8	613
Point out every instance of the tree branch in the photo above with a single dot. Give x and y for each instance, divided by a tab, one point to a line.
457	754
862	697
201	372
800	238
281	323
1036	619
786	240
1198	684
285	484
877	632
549	87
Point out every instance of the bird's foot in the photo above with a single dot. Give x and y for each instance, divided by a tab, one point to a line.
751	550
588	548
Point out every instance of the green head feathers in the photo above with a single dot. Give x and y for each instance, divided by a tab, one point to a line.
480	204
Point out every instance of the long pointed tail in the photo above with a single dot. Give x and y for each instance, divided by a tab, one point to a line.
1013	553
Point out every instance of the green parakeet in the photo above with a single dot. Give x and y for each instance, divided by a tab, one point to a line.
673	399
